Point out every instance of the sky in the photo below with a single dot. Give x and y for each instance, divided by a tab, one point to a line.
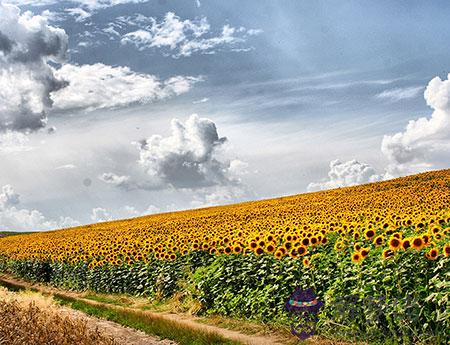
112	109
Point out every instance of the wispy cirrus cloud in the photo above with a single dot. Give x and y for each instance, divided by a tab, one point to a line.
398	94
89	4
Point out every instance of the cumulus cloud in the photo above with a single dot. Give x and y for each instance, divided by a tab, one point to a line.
100	214
344	174
398	94
425	142
27	45
14	218
100	86
188	158
183	37
192	160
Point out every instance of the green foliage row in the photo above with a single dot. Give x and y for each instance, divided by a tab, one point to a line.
405	299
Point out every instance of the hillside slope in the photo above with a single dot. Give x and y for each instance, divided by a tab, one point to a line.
415	201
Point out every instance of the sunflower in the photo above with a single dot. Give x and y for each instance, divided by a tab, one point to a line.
435	230
387	253
378	241
288	245
395	243
270	248
259	251
279	254
357	257
432	254
437	236
364	252
369	234
446	250
228	250
417	243
306	262
357	246
397	235
293	254
406	243
338	246
302	250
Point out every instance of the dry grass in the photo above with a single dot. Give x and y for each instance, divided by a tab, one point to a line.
25	320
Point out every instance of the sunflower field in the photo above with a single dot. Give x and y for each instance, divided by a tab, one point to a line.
377	255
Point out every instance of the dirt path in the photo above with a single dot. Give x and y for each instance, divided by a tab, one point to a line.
121	332
122	335
128	336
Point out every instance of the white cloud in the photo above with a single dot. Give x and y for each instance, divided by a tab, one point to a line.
66	167
344	174
423	145
11	141
100	86
130	211
203	100
425	142
30	87
8	197
14	218
192	160
100	214
219	195
27	45
188	158
117	181
152	209
398	94
183	37
79	14
89	4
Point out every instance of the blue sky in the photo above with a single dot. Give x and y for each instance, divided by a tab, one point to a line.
309	96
